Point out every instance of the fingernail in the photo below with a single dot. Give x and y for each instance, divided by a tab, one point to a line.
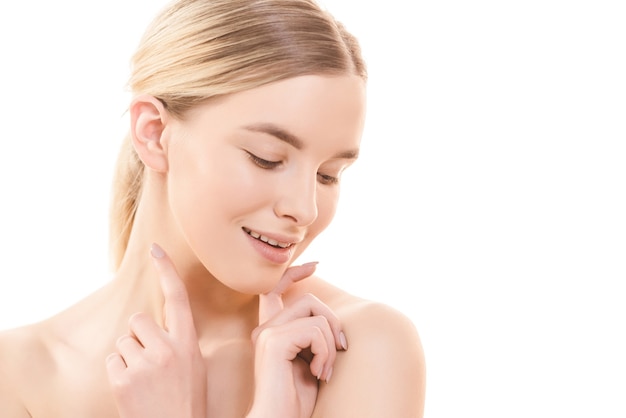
156	251
330	373
343	341
310	263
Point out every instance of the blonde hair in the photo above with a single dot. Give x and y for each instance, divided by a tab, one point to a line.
198	49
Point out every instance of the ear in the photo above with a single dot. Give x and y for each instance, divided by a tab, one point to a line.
148	118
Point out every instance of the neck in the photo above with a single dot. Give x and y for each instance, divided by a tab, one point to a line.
215	307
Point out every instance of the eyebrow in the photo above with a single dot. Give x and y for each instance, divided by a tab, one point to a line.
293	140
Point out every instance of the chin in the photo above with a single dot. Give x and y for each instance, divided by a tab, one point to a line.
259	282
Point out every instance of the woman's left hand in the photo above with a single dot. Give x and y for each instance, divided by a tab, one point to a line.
295	347
160	372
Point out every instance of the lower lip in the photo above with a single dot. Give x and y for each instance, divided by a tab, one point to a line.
272	254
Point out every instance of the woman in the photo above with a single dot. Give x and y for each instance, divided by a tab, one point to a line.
244	115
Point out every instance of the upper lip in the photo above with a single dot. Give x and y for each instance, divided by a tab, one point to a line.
273	239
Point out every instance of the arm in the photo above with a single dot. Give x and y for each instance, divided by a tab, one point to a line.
382	374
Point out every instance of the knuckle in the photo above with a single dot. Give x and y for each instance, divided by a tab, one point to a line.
177	293
265	337
178	296
321	323
309	298
263	333
321	319
136	319
120	383
122	340
318	332
163	356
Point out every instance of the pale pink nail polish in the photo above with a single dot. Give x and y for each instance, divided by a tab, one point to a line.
343	341
330	373
156	251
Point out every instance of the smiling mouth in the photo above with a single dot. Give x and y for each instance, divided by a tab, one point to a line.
269	241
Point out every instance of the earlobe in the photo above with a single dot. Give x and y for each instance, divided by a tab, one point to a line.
148	118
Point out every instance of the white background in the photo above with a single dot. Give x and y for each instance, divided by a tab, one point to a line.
488	204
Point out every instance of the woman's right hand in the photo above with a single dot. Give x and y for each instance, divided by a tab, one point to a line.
295	347
160	371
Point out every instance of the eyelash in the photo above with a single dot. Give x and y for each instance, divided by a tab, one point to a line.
265	164
327	180
268	165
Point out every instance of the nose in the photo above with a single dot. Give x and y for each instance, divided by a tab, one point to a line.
297	199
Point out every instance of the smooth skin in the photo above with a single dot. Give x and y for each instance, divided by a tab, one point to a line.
264	161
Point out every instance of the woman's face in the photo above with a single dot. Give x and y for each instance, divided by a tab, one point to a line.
253	177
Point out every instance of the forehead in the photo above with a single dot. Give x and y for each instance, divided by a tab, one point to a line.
310	107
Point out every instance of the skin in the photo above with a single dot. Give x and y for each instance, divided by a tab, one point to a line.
185	327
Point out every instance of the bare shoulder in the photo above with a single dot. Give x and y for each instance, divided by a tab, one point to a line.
383	371
381	326
384	363
22	357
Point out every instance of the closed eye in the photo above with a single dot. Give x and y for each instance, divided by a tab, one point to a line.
265	164
326	179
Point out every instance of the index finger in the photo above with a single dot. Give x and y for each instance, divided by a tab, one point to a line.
178	320
271	303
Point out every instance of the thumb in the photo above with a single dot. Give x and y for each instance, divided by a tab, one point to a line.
271	303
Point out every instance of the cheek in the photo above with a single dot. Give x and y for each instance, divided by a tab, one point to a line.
210	196
213	183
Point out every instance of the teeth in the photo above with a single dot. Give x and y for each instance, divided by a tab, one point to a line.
265	239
